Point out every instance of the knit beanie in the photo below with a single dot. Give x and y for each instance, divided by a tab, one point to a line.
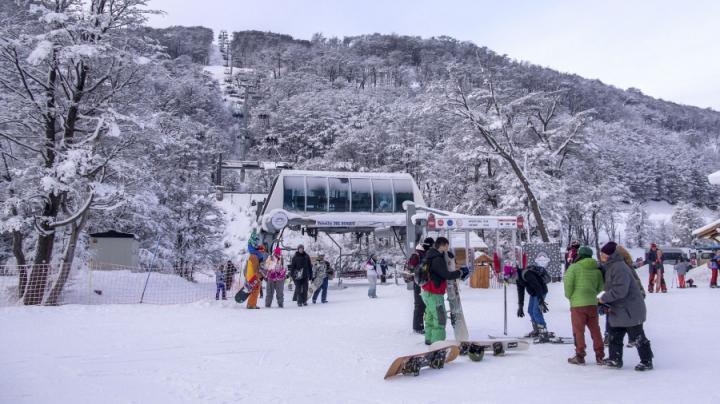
585	252
609	248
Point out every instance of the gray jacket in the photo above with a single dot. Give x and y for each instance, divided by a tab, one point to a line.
622	293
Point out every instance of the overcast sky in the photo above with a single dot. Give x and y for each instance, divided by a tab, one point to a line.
668	49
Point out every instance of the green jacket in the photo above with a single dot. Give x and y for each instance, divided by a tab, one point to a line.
583	281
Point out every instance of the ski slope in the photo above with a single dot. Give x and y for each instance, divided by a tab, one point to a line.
338	352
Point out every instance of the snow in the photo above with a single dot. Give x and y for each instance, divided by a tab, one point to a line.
707	227
239	214
41	52
338	352
714	178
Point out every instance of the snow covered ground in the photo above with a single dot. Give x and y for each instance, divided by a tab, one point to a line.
338	352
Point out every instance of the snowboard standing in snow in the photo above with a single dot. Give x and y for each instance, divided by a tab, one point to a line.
411	364
457	318
475	350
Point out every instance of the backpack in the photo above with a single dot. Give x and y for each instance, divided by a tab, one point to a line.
541	272
422	272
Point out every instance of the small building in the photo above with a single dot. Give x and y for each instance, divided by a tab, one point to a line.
112	249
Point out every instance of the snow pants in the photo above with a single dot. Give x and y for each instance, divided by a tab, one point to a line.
276	288
419	309
301	289
713	277
587	316
435	317
219	287
681	281
252	300
535	312
635	334
372	279
323	288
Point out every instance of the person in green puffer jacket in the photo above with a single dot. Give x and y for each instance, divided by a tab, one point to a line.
583	282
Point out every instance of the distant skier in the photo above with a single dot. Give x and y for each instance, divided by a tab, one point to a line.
321	275
434	289
534	280
413	264
230	271
220	282
301	271
383	269
372	268
682	268
275	279
582	282
653	258
626	309
714	265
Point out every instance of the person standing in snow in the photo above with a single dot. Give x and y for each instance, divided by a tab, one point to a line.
230	271
534	280
433	291
301	271
582	283
653	258
413	264
220	282
571	254
321	276
253	274
714	264
275	279
372	267
383	269
682	268
626	309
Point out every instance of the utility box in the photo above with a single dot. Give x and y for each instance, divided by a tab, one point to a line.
112	249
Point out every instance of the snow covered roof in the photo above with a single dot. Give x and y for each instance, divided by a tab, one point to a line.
345	174
708	231
714	178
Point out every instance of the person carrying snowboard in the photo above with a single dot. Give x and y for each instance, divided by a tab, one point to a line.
653	258
321	276
583	281
301	271
435	274
534	280
275	278
253	274
626	309
413	265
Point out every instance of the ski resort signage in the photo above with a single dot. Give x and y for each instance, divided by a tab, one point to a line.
474	222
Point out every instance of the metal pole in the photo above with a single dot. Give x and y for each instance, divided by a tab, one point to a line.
157	245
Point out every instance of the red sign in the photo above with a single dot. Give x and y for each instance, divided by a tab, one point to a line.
520	222
431	222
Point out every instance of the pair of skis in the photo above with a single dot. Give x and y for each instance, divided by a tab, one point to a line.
548	339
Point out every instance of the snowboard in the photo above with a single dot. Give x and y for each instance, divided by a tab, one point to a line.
246	290
411	364
457	318
475	350
554	340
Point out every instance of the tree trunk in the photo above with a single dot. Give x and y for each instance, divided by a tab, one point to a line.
67	261
532	201
595	229
17	249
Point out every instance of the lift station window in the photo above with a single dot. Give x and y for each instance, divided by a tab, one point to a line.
361	195
294	193
339	194
382	195
317	194
403	192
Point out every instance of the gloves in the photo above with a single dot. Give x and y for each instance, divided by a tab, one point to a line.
520	312
543	307
465	271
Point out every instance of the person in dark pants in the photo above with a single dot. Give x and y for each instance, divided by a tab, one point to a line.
301	271
383	270
626	309
412	265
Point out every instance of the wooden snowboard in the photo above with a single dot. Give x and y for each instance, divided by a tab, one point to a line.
411	364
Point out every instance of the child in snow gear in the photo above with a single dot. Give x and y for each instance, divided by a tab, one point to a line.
373	270
220	283
433	293
275	279
627	311
714	264
413	264
653	259
681	268
583	281
534	280
301	271
321	274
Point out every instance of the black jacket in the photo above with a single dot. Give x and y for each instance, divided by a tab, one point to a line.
532	281
439	272
301	264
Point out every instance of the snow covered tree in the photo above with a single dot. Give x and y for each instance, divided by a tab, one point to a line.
685	219
637	227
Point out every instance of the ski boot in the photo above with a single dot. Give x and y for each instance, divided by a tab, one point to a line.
534	333
612	363
543	335
644	366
